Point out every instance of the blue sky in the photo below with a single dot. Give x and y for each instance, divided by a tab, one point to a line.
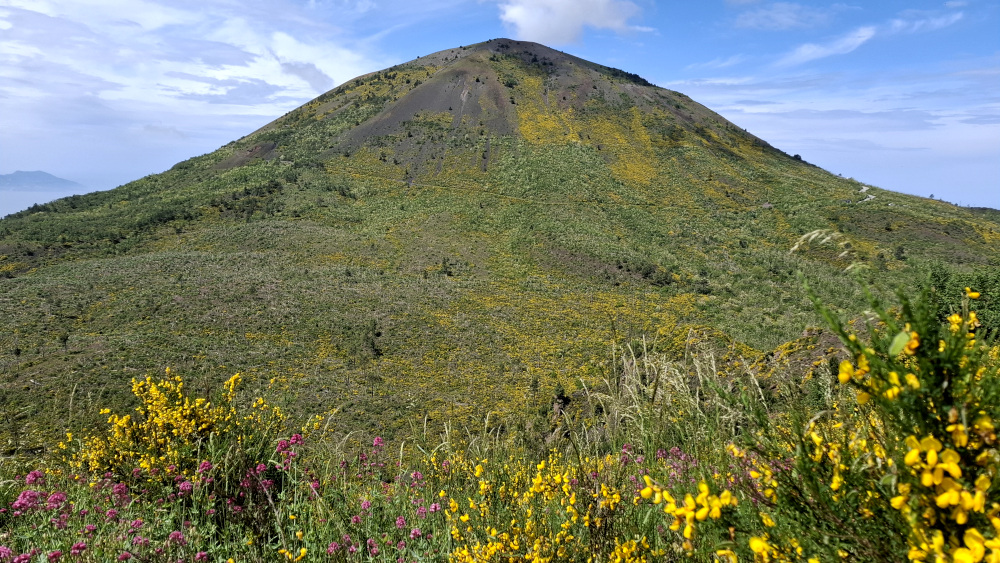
901	95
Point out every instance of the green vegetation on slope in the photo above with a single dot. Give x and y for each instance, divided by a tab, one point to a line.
471	231
662	461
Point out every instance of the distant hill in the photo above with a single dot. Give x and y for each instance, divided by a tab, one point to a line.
471	232
36	180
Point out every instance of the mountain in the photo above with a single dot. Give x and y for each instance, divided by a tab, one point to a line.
36	180
474	231
20	190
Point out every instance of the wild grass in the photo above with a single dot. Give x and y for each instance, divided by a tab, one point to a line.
663	459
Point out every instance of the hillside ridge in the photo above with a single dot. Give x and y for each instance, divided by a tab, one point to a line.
471	231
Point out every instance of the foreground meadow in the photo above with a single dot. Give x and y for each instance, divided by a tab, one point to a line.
886	451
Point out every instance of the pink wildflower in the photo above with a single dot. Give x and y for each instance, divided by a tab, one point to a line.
27	500
55	501
177	537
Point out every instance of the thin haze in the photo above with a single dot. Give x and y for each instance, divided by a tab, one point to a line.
902	95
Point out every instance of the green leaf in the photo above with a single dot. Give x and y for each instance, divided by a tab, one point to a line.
898	342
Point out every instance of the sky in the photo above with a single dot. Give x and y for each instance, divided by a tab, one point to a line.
902	95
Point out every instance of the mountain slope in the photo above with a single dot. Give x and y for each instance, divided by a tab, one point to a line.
470	231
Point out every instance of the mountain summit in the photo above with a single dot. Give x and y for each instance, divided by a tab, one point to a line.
475	230
460	99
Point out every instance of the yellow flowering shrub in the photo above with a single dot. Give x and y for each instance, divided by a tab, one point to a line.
558	510
169	432
937	391
904	468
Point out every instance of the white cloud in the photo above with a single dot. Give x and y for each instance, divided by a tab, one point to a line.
111	90
911	21
839	46
919	24
902	129
147	14
780	16
562	21
148	53
718	63
40	6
